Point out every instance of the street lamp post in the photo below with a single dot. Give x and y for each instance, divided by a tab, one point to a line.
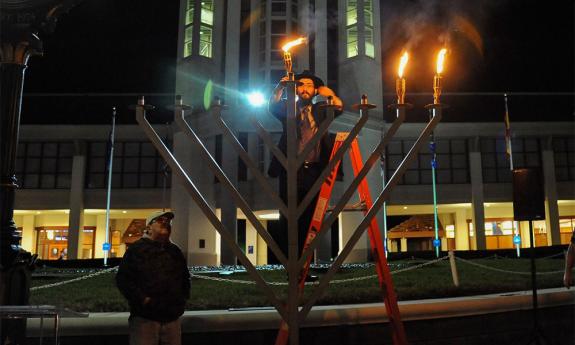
21	20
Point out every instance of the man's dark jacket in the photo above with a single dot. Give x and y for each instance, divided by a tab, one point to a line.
156	270
279	110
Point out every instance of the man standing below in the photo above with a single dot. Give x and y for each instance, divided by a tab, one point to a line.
309	116
154	278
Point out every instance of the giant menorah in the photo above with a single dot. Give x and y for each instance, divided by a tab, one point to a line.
290	310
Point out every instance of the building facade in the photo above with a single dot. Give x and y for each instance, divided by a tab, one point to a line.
228	49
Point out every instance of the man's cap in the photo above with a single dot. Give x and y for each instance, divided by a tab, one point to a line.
317	82
157	214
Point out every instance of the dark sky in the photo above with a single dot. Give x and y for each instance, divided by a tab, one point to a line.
128	47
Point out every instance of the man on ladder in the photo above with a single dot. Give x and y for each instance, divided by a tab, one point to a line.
310	115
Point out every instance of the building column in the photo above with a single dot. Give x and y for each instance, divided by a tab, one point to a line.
253	152
100	237
192	231
403	242
227	204
348	224
262	249
76	216
232	60
461	230
551	207
28	235
477	200
320	22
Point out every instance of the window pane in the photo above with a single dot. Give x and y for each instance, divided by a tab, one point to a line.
531	145
97	164
532	159
130	180
460	176
50	149
443	162
33	165
352	48
94	180
31	181
487	145
148	149
147	180
411	177
278	26
148	164
394	147
98	149
278	9
394	161
459	161
66	149
132	149
206	41
351	12
443	176
489	176
368	12
34	149
131	164
48	181
425	176
49	165
207	16
63	181
458	146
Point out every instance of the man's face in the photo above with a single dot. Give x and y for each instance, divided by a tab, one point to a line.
161	228
306	90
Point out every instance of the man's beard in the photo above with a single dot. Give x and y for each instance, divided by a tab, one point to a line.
305	101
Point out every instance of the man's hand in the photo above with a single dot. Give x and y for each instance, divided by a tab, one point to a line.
147	300
327	92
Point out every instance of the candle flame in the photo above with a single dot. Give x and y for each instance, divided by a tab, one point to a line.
286	47
441	60
402	64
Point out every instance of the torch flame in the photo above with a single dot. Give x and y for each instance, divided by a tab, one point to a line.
440	60
293	43
402	64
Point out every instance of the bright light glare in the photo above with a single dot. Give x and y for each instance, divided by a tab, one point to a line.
256	99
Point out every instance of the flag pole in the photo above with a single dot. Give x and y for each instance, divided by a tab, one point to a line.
509	151
107	245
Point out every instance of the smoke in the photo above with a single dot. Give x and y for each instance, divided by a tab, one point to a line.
434	21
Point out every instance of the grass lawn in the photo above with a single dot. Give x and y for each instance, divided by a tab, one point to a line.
99	294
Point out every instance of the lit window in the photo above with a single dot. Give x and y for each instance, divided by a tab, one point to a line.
368	12
190	12
369	48
188	41
351	12
352	48
207	13
206	41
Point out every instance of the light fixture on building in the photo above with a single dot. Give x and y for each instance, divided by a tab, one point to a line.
405	207
270	216
124	211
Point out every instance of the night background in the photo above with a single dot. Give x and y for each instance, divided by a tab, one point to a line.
105	53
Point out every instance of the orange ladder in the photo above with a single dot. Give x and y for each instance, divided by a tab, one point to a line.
377	251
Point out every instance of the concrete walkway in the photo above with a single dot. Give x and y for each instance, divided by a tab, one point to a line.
98	324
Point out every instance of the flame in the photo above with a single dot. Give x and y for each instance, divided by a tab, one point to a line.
402	64
441	60
286	47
